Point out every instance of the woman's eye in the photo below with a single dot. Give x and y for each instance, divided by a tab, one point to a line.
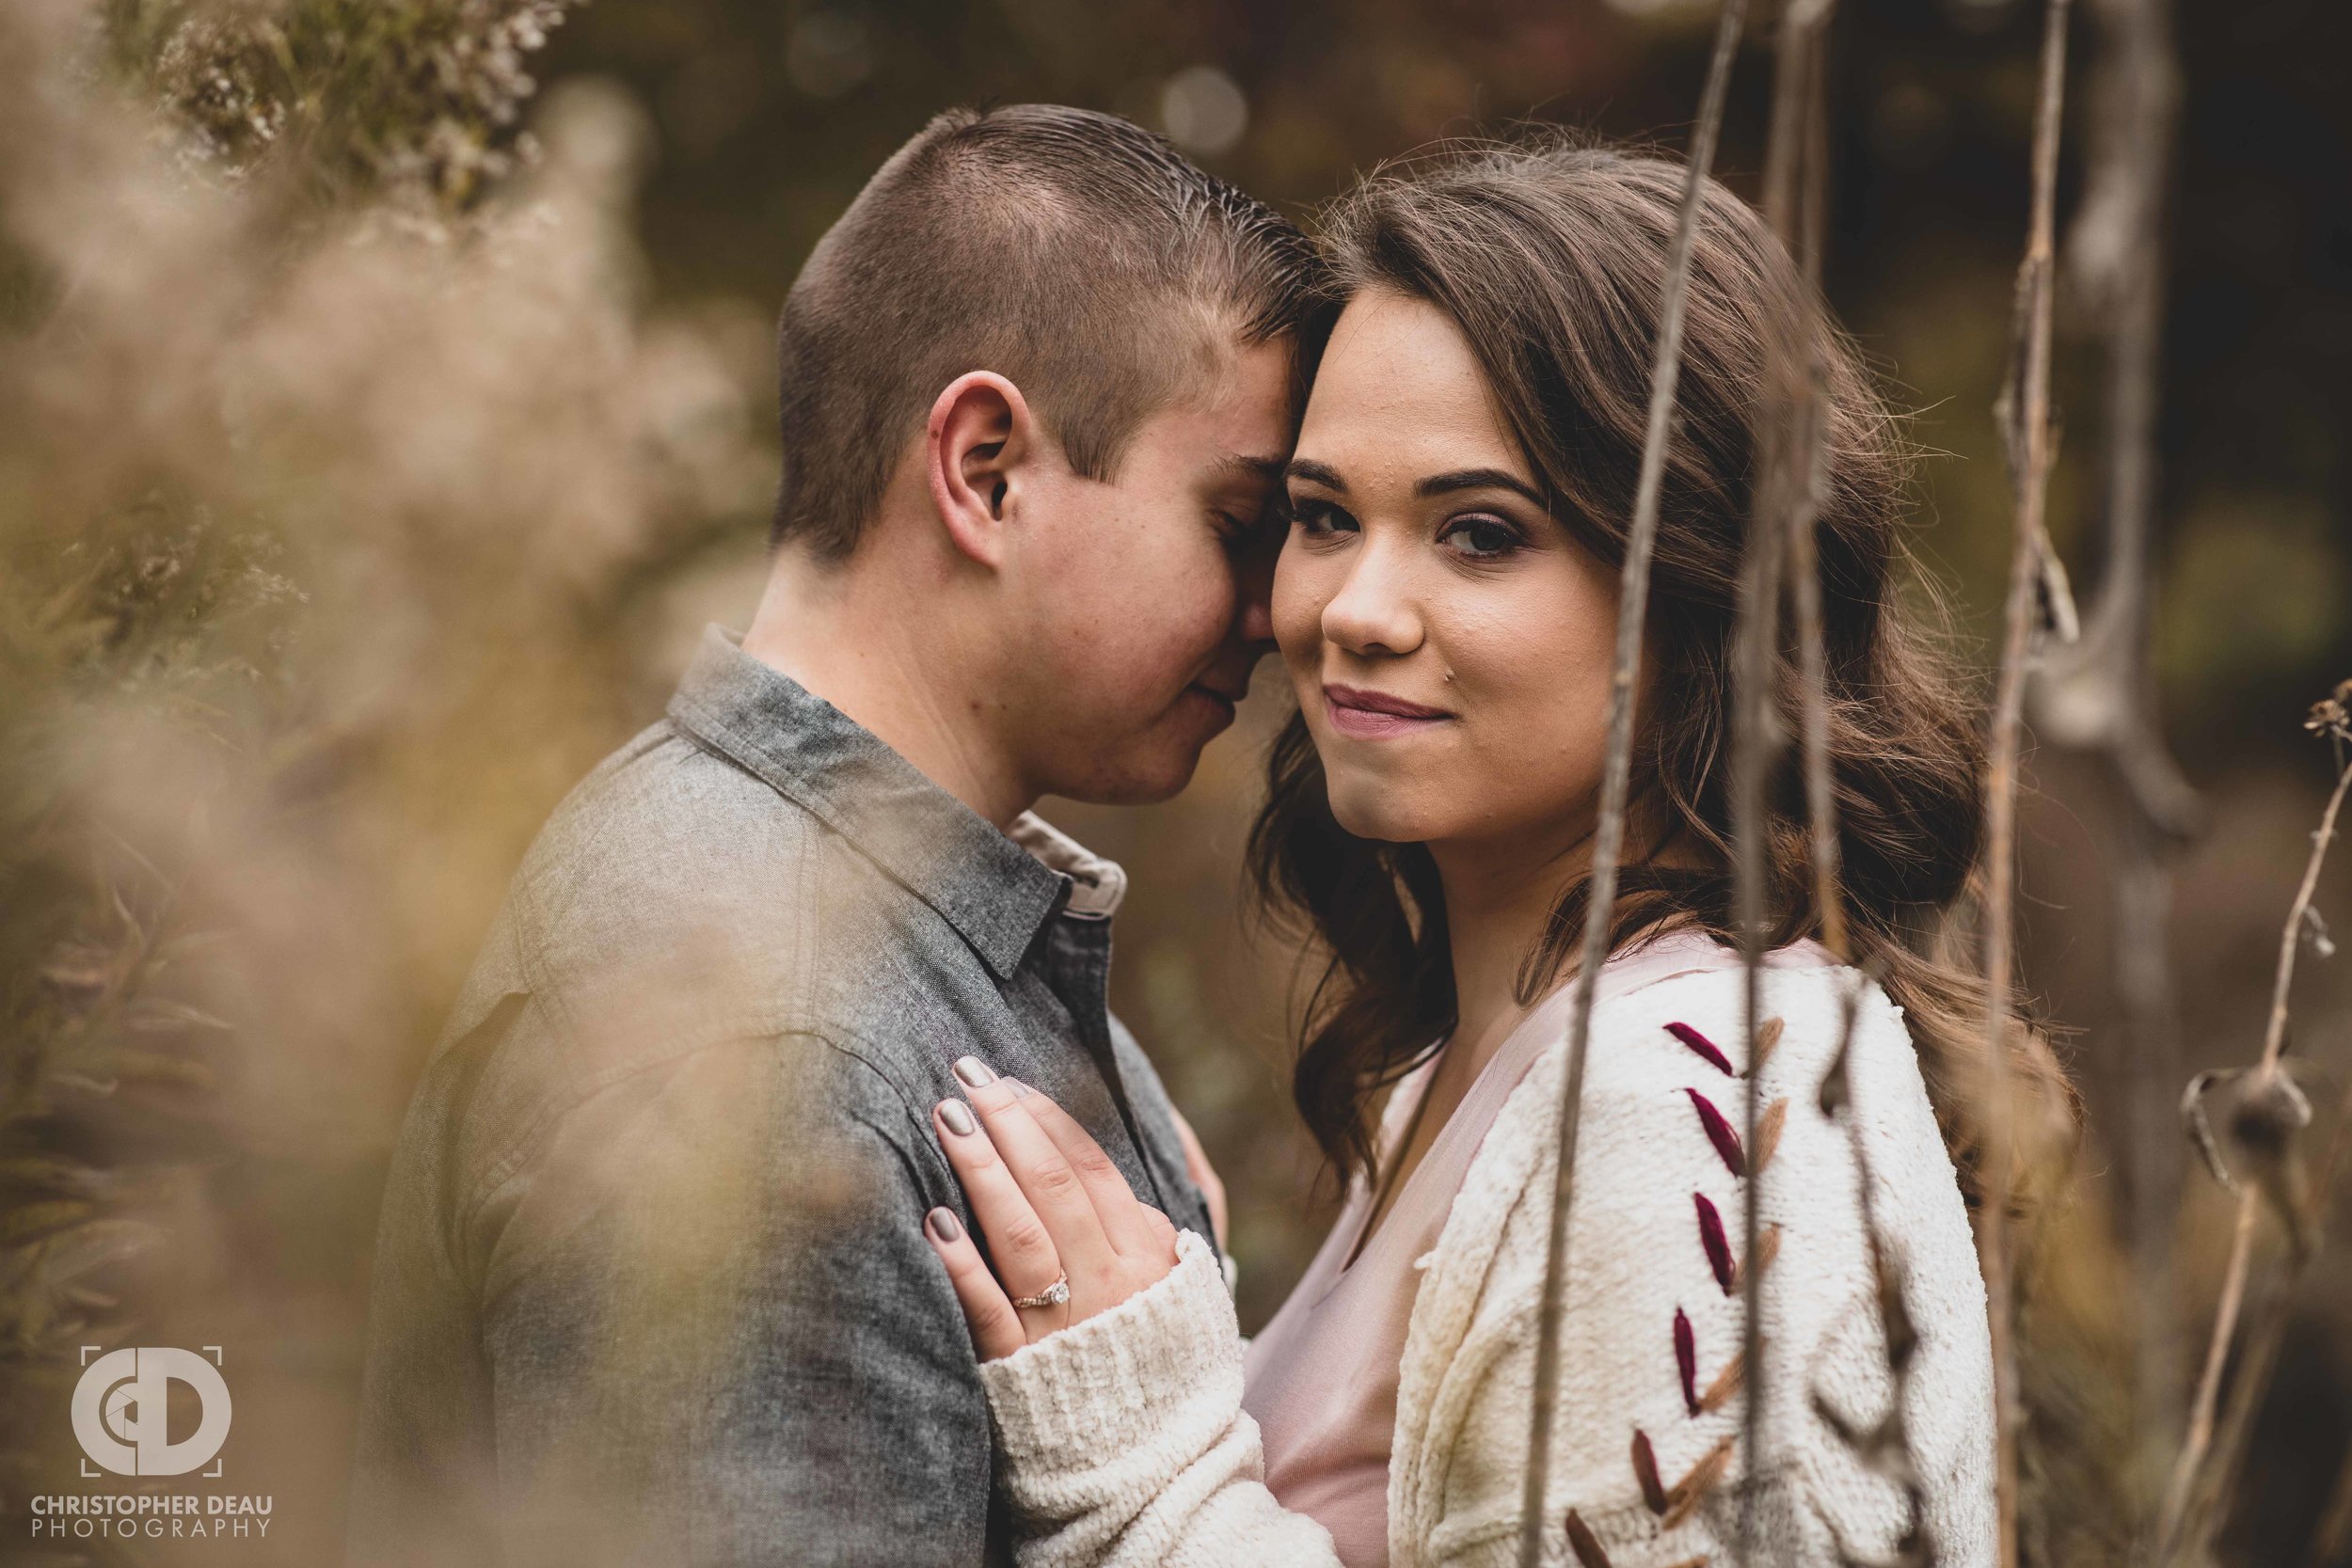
1320	520
1480	538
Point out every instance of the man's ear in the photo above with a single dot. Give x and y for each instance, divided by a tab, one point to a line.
976	452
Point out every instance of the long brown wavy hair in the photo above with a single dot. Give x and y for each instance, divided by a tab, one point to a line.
1550	258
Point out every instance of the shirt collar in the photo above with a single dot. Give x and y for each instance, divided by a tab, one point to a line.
996	890
1097	885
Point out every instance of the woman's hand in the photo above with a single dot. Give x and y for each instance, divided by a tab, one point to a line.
1055	1211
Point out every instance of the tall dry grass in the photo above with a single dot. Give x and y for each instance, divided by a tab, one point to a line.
334	435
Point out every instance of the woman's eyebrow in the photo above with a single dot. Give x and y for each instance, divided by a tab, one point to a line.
1471	479
1317	473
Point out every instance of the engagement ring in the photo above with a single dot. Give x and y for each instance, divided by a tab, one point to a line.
1056	1294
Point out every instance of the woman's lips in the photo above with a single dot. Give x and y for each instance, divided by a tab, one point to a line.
1375	715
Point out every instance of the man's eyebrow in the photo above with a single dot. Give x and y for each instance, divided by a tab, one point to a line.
1473	479
1265	470
1317	473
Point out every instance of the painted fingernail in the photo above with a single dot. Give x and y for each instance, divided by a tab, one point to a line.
958	1116
974	1073
942	1223
1020	1090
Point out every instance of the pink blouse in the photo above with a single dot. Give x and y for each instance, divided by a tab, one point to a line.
1322	1376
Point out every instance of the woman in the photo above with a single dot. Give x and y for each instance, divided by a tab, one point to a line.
1446	607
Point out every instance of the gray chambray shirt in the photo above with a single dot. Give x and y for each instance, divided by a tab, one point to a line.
651	1285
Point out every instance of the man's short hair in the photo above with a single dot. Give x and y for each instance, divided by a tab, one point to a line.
1076	254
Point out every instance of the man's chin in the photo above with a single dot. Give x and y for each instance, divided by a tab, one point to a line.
1141	788
1155	766
1145	778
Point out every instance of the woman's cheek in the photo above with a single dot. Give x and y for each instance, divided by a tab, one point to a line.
1537	715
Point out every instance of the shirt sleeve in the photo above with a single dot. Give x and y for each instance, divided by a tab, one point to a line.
715	1334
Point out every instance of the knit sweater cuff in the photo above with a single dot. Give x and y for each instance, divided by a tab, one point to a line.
1119	1371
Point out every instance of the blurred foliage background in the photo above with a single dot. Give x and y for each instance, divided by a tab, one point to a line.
385	405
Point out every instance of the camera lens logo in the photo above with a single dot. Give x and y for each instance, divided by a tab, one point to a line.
121	1410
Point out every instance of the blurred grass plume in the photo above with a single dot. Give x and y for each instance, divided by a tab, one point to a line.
334	428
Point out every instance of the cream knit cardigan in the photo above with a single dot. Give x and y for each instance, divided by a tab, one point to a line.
1123	1441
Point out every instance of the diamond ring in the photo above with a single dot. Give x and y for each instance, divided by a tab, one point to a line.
1056	1294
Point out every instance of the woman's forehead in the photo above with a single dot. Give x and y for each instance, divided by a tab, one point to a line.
1400	390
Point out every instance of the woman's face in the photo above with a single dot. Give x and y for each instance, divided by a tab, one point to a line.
1449	643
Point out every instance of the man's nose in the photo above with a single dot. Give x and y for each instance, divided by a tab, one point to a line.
1254	582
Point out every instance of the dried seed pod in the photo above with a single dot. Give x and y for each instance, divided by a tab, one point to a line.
1719	1133
2265	1136
2264	1112
1767	1037
2200	1127
1704	1046
2333	715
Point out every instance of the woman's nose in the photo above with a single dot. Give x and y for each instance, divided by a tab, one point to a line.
1374	611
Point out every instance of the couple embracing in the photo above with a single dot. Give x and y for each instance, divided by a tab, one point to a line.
783	1191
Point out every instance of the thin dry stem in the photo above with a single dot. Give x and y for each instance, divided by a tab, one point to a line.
2265	1335
1754	739
1796	156
1609	833
1813	672
2026	404
2185	1470
1887	1449
2199	1437
1788	500
2291	940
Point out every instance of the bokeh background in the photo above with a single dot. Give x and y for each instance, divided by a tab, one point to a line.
385	407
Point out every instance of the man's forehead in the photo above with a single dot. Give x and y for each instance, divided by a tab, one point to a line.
1254	400
1235	429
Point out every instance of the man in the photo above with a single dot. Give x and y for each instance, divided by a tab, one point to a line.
651	1285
